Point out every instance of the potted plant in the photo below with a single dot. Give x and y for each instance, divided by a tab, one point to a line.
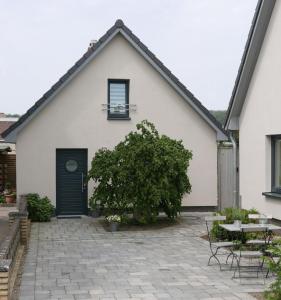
114	221
10	196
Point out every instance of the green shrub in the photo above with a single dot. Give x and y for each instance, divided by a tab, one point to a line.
232	214
274	291
144	174
2	199
39	209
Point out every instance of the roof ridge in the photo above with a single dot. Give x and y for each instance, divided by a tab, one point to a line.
119	24
243	58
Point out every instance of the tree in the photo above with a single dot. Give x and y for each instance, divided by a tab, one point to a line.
219	115
145	173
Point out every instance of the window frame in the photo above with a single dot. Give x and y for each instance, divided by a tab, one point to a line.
274	138
112	116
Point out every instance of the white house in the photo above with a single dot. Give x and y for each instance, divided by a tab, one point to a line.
117	83
255	112
5	123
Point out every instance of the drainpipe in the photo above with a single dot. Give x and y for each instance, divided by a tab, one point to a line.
235	191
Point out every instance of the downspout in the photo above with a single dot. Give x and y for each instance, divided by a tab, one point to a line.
235	202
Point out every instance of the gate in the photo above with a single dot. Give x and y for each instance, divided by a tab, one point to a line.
226	176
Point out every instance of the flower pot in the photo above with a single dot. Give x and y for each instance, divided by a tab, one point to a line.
10	198
113	226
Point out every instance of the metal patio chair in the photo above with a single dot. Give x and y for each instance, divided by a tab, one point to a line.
247	254
216	246
263	219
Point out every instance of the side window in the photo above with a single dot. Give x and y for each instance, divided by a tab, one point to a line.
276	164
118	99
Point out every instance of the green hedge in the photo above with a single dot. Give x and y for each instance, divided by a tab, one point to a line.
232	214
39	209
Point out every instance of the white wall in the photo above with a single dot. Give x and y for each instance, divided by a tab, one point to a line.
74	119
259	119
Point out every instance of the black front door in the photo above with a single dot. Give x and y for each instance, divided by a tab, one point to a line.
71	181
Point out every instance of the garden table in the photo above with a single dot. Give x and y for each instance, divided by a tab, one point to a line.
243	228
251	227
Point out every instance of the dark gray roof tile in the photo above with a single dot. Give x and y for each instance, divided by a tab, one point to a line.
118	25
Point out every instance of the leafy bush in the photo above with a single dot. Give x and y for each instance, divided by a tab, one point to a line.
232	214
2	199
274	291
144	174
39	209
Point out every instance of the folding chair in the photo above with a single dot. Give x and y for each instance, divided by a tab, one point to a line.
263	219
216	246
250	255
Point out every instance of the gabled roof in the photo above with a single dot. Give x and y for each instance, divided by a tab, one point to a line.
4	125
119	27
249	59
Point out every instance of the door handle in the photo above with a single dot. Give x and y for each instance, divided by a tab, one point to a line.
82	180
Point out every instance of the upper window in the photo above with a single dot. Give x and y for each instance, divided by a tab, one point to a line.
118	99
276	164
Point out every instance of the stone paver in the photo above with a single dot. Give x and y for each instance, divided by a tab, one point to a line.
77	259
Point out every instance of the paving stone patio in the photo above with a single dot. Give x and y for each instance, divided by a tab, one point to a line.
77	259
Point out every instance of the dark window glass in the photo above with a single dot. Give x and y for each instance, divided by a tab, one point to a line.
276	164
118	99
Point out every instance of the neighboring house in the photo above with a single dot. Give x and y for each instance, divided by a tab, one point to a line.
254	113
5	123
7	154
116	84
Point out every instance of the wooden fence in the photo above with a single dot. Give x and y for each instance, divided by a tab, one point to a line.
7	170
226	176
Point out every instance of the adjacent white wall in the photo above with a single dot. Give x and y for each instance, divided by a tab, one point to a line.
260	118
74	119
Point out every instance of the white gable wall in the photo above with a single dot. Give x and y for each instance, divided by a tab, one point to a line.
74	119
260	118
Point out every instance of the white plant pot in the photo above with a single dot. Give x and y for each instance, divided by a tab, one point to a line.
113	226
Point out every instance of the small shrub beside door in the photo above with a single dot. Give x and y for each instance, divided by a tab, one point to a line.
39	209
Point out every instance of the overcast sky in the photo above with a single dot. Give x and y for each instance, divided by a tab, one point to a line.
200	41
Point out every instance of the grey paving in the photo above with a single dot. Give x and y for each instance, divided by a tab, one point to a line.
77	259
